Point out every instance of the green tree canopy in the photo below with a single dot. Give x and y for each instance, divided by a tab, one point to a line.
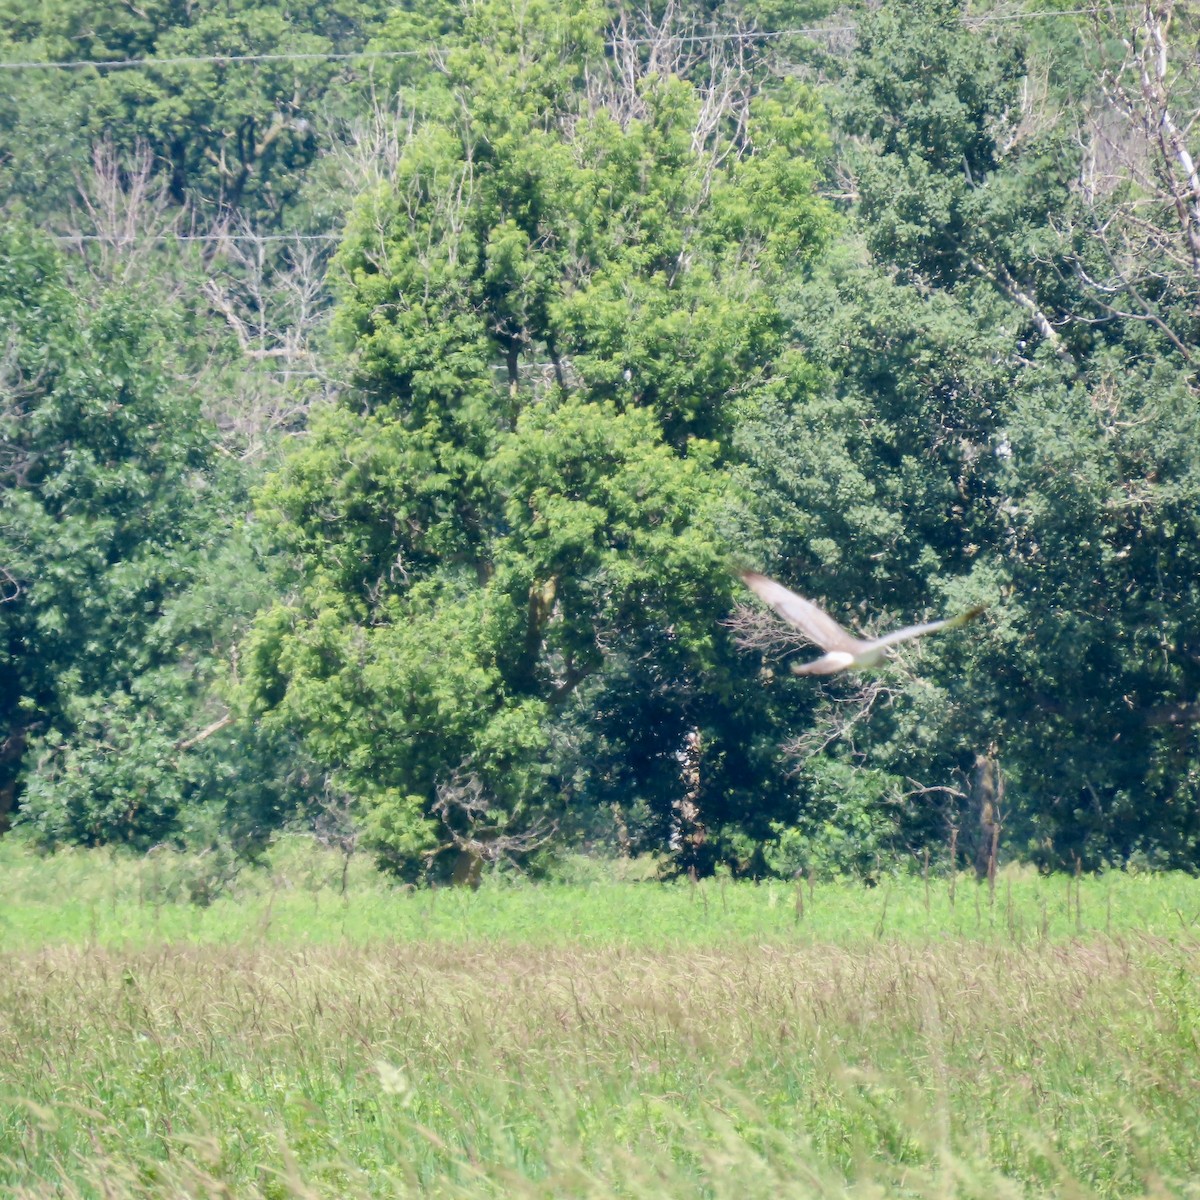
122	586
554	317
995	429
226	135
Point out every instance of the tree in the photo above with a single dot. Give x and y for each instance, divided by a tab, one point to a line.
226	134
1137	219
124	588
515	522
992	429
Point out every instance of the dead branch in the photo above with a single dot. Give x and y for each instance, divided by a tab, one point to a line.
366	151
840	717
10	586
1003	279
465	810
758	629
207	732
273	300
932	790
124	214
675	44
1141	178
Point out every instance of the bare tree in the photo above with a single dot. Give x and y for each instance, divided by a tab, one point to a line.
271	293
124	215
336	825
719	63
366	150
1140	181
477	831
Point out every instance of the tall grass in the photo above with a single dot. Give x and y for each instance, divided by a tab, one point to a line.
718	1044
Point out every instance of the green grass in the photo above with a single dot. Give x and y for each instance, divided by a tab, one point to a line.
97	899
593	1040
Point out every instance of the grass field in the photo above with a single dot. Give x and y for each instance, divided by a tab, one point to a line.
594	1039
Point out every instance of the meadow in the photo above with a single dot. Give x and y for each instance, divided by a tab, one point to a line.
596	1037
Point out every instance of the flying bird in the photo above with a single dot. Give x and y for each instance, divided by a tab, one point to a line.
843	651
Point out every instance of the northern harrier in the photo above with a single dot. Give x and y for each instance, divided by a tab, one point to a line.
843	651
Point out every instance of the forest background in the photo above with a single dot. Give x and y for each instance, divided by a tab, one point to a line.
388	394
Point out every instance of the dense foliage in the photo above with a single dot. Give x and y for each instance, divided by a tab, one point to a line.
125	583
618	303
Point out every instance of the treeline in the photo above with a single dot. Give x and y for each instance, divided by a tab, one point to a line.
379	431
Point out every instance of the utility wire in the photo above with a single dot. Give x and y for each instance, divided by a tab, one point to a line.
726	36
332	56
195	237
123	64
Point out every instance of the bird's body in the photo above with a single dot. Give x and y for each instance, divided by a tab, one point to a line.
843	651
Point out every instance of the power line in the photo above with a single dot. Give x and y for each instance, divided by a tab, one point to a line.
195	237
332	56
730	36
1001	18
121	64
124	64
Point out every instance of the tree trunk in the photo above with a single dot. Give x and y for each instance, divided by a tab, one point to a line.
468	868
987	794
11	751
688	833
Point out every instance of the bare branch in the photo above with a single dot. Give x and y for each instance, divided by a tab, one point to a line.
10	586
207	732
466	811
757	628
838	721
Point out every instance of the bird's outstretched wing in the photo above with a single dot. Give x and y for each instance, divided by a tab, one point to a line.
827	664
916	631
816	625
